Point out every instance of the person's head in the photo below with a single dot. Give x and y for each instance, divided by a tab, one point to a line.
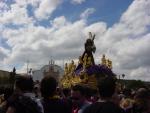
142	93
66	92
141	98
7	93
24	84
48	86
106	87
127	92
78	94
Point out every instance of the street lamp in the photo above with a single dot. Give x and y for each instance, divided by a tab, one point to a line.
123	75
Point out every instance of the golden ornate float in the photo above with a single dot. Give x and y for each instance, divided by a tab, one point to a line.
86	72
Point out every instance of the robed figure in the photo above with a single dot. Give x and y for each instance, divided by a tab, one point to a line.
90	47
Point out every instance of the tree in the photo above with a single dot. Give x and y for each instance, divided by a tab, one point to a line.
12	76
135	84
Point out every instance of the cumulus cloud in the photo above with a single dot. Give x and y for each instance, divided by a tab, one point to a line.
133	17
87	13
46	8
3	53
101	28
40	43
59	22
15	15
141	73
126	42
77	1
24	3
3	7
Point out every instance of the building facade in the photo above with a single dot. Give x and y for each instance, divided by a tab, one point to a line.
48	70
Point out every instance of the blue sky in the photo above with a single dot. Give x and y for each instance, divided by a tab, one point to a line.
105	10
37	30
108	11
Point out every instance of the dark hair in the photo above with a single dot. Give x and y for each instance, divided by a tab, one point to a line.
8	92
142	93
79	88
127	92
24	83
23	104
48	86
106	86
66	92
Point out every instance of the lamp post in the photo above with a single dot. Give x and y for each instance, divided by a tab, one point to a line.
123	75
123	84
27	66
119	78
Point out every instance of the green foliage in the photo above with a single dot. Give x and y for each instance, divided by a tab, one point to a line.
135	84
12	78
4	79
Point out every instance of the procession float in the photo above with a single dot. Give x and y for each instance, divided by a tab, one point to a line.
87	72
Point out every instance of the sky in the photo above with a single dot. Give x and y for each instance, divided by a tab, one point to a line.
36	31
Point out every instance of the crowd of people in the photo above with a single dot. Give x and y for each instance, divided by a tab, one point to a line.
28	97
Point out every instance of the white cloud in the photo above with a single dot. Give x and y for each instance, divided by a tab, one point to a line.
140	73
127	41
46	8
59	22
137	17
3	53
3	7
24	3
40	44
15	15
98	28
87	12
77	1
